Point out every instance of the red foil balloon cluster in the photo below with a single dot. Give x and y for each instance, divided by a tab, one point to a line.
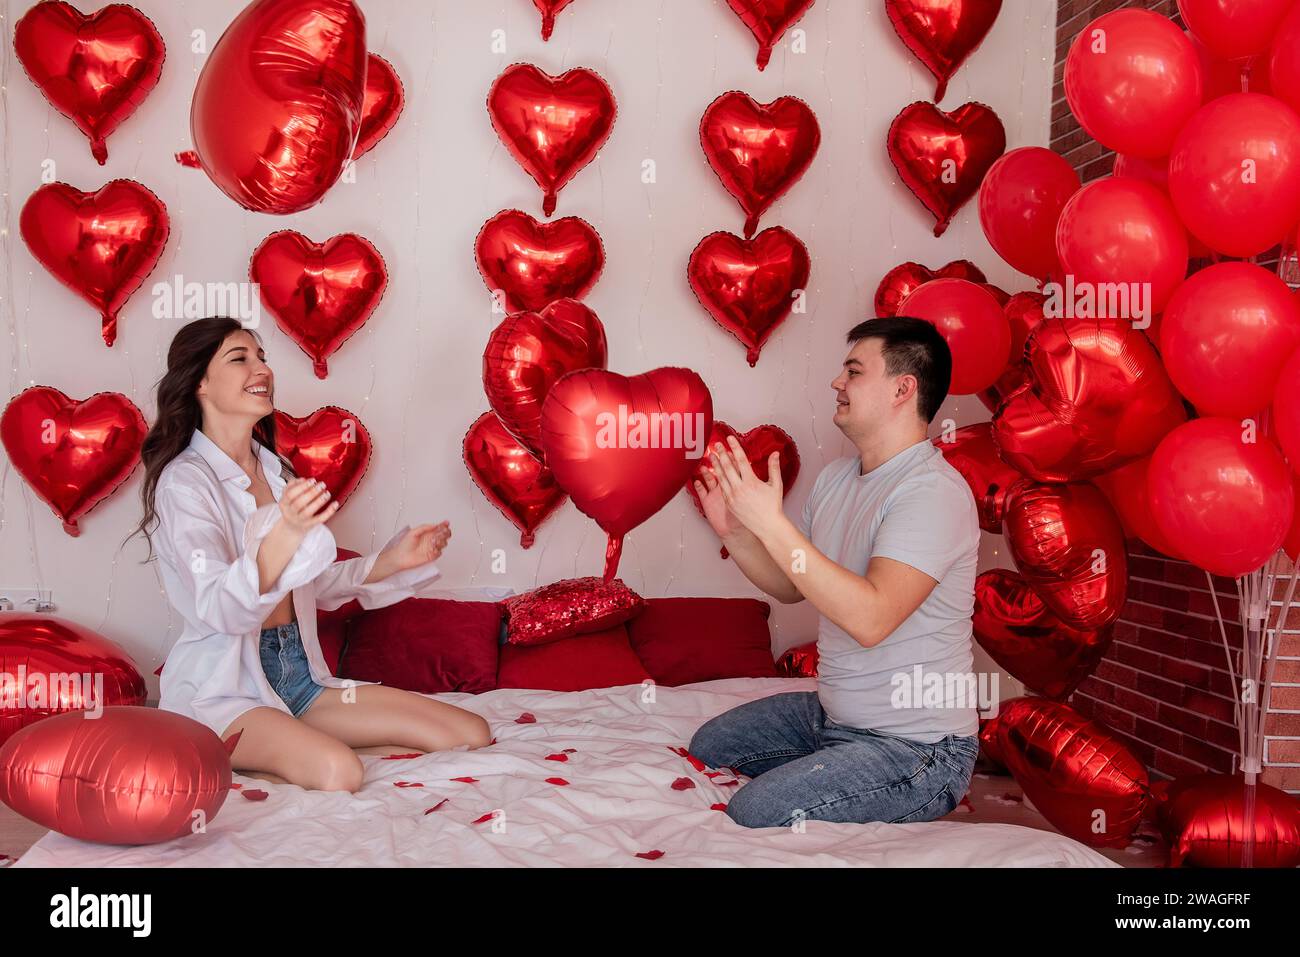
510	476
330	444
73	453
905	278
573	606
1204	819
942	34
533	264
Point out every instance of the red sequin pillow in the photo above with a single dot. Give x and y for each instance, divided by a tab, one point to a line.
573	606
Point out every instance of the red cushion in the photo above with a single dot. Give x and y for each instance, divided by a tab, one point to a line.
600	659
332	635
683	640
428	645
344	612
572	606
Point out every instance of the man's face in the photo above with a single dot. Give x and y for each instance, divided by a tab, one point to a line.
866	396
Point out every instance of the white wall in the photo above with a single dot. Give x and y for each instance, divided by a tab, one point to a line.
412	375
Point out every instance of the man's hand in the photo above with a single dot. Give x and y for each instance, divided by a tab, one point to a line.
714	505
754	503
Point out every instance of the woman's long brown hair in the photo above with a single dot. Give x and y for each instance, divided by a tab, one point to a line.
178	411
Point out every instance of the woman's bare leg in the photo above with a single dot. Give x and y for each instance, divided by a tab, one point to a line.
378	715
279	744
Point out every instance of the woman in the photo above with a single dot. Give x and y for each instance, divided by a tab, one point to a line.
247	560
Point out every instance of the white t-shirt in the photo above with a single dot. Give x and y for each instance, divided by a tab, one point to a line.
914	508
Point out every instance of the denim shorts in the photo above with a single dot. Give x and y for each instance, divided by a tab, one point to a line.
285	664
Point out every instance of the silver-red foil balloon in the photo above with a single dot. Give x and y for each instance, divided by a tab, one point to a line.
74	453
330	444
768	20
970	450
384	101
278	105
131	776
905	278
510	476
799	662
101	245
573	606
942	33
1204	819
749	286
552	125
1069	545
51	665
533	263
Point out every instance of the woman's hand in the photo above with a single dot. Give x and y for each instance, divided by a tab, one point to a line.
305	503
420	545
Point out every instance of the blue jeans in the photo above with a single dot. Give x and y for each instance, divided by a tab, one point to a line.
285	662
806	767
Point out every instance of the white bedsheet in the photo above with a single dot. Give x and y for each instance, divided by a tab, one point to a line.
619	802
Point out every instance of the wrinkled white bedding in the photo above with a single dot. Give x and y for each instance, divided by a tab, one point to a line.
618	802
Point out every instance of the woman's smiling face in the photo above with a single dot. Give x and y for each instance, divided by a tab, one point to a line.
238	382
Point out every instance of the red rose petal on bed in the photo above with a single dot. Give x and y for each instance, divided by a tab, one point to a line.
526	718
650	855
717	807
485	817
254	794
569	751
398	757
466	780
560	781
712	774
696	763
560	756
407	784
438	805
683	784
235	785
493	741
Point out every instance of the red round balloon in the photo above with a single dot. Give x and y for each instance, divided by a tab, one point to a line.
533	263
1225	503
1231	29
1283	61
1228	76
943	157
1021	199
1286	410
385	98
768	20
1225	336
749	286
972	323
101	245
758	150
528	352
278	106
942	33
1204	819
319	293
1234	173
1132	80
1156	172
510	476
95	69
1123	231
330	444
970	450
552	125
1127	490
73	453
1024	311
904	279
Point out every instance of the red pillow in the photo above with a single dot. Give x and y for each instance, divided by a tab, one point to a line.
601	659
344	612
572	606
428	645
684	640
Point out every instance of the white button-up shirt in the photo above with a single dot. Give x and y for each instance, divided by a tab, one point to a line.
209	530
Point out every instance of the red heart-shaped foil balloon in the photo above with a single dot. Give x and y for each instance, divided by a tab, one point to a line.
319	293
970	450
528	352
1067	542
384	100
622	446
942	33
94	69
1208	818
1024	311
548	9
510	476
534	264
331	444
1015	626
904	279
749	285
73	453
100	245
942	157
758	150
768	20
552	125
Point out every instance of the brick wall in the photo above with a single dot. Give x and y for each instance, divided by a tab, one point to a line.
1164	686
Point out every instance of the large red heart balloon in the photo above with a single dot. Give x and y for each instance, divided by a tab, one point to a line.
1015	626
95	69
533	264
942	33
903	280
100	245
385	98
278	105
131	775
330	444
1081	777
552	125
548	9
1024	311
768	20
749	286
942	157
1067	542
73	453
510	476
758	150
970	450
46	645
623	446
319	293
528	352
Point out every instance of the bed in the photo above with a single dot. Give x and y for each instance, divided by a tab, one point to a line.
591	778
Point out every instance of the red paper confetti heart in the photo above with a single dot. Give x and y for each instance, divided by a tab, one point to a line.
557	757
466	780
254	794
480	820
651	855
683	784
717	807
526	718
560	781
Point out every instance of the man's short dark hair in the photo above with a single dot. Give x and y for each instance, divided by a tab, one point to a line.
912	347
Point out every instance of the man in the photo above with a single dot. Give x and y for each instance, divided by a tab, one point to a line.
886	551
